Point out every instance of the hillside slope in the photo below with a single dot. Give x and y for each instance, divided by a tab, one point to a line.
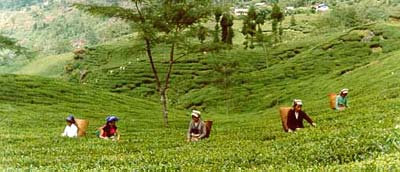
360	138
50	66
240	81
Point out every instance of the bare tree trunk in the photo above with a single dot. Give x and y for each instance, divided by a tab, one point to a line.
165	106
153	67
163	91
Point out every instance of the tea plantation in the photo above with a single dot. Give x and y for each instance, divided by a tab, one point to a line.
240	90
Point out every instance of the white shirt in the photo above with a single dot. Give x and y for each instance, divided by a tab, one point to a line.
70	131
296	114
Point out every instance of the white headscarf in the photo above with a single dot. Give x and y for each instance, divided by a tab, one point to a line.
196	113
297	102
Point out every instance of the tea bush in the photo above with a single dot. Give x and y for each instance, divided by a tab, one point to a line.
236	89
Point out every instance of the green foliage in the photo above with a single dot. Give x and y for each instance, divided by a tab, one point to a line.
50	66
236	89
276	13
292	21
249	27
227	30
8	43
345	16
277	17
364	137
202	33
54	27
161	22
337	52
109	11
12	55
217	17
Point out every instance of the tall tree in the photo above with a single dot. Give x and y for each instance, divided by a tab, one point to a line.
11	44
202	33
227	30
161	21
260	19
249	26
217	17
10	51
277	17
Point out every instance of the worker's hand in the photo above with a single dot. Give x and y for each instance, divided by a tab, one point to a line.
314	124
187	140
297	129
290	130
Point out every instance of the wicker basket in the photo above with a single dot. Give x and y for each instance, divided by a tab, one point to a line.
284	115
332	100
208	124
82	126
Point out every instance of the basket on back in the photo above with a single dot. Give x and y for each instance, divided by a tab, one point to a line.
82	126
284	114
332	100
208	124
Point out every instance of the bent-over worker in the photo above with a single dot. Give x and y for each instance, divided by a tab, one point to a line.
296	116
197	128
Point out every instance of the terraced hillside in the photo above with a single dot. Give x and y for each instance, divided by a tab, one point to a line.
50	66
364	137
239	90
229	75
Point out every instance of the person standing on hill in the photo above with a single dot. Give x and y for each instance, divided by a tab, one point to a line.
296	116
109	130
341	100
71	130
197	128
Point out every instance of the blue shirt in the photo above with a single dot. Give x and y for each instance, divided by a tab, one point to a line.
341	101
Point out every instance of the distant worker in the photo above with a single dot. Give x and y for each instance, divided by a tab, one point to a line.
71	130
197	128
341	100
109	130
296	116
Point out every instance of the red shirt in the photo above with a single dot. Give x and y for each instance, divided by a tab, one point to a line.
293	122
109	131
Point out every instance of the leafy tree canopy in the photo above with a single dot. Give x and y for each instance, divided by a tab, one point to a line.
8	43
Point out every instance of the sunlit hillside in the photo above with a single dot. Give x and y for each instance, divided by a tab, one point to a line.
354	45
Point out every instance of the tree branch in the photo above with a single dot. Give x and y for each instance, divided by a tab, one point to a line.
109	11
148	48
171	63
183	55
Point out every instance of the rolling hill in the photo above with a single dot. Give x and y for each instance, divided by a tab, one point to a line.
239	90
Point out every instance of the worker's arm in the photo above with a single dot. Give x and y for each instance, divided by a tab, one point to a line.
65	132
337	102
308	119
74	130
117	133
188	132
101	134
